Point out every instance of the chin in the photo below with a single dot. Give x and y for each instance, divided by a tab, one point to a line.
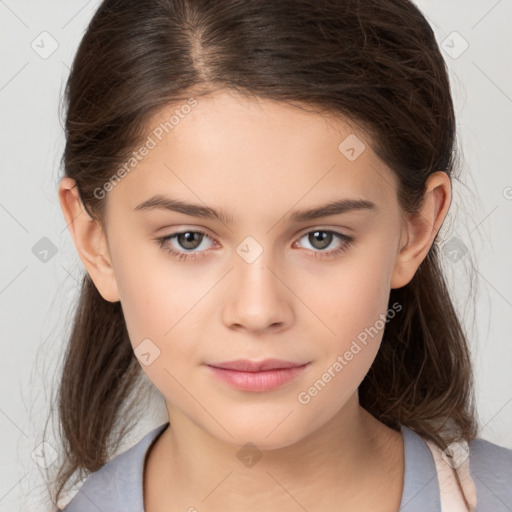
263	437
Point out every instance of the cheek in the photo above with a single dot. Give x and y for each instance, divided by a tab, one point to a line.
354	306
356	294
355	310
162	305
160	316
153	291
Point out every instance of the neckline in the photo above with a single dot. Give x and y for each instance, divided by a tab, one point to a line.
420	483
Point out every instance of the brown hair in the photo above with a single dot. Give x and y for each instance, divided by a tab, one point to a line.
375	62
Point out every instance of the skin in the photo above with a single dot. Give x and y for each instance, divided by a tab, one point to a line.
260	161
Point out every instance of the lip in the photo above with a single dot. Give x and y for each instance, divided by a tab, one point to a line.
246	365
257	376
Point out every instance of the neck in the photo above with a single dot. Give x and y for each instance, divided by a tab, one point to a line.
216	476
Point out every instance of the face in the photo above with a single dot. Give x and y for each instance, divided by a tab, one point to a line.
263	280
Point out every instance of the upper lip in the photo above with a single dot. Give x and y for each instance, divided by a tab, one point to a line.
246	365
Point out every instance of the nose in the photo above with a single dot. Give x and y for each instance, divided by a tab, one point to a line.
259	299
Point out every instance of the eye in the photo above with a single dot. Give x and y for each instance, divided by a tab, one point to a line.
188	243
319	239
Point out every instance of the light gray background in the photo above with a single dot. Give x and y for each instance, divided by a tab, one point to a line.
36	296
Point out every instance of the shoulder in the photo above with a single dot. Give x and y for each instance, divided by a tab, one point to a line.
118	485
490	466
420	483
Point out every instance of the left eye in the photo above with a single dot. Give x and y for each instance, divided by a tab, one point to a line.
322	238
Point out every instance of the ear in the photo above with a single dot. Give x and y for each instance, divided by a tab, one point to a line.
420	229
90	240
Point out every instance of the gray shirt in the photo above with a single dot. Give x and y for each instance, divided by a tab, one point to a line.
118	485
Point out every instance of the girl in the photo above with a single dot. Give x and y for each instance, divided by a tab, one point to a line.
255	189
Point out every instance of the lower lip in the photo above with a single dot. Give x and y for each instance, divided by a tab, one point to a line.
258	381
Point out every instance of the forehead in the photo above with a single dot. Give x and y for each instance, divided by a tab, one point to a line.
228	149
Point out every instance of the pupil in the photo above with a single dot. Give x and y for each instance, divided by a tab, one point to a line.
188	239
323	236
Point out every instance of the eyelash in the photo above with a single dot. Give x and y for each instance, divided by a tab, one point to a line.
162	242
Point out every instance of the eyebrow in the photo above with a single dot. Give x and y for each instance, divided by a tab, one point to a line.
159	202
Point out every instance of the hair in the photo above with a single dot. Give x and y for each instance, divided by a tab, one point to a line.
375	63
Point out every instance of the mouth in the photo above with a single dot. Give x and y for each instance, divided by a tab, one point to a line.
257	376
